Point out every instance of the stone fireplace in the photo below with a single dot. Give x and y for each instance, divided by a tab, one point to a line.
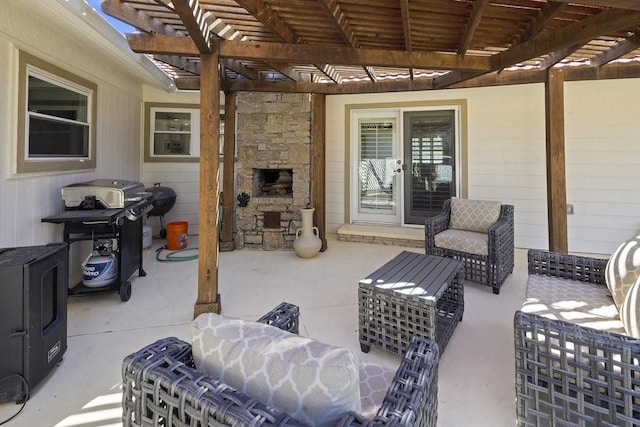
273	166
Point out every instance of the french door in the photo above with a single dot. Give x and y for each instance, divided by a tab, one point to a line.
378	168
404	165
429	152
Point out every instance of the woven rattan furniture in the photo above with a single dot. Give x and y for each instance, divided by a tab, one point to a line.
491	268
411	295
161	387
571	374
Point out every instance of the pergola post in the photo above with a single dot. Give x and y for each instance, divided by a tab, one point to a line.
228	192
556	179
318	169
208	297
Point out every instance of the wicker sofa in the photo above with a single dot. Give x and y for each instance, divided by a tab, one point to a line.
574	363
477	232
161	386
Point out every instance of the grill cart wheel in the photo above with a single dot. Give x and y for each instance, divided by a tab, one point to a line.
125	291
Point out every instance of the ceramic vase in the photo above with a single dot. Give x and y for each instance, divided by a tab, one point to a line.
307	243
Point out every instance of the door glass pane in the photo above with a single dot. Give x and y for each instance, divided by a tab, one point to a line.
429	152
376	166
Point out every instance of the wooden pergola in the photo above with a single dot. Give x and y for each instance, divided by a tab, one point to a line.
328	47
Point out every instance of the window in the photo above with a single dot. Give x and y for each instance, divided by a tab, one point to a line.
172	132
57	119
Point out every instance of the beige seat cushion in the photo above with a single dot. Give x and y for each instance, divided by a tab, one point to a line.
474	215
585	304
463	241
623	268
314	382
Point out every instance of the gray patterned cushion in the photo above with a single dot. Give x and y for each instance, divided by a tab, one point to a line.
630	311
311	381
474	215
374	383
573	301
623	268
464	241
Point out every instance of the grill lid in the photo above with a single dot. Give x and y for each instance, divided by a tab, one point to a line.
111	193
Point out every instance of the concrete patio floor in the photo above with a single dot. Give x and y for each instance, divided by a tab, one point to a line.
476	375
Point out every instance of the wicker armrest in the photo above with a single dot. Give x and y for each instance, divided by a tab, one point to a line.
412	398
436	224
574	375
284	316
574	267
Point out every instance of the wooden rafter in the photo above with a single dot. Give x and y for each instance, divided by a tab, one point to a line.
330	72
181	62
548	13
267	17
472	24
195	21
138	19
339	20
237	67
285	70
621	48
406	24
298	53
558	55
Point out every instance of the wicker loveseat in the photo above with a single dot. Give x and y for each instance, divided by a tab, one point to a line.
161	387
477	232
574	363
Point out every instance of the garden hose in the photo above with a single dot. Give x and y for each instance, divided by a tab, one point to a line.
175	256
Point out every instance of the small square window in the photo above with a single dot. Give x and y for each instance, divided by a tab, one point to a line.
172	132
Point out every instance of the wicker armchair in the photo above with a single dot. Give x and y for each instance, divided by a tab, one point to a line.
162	387
570	374
491	269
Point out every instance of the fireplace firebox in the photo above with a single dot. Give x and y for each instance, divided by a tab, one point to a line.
273	182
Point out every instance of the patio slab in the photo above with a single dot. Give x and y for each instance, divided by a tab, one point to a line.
476	380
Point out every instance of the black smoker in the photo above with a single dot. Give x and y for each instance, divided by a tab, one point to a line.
163	200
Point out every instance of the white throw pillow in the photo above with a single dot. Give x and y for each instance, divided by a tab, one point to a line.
623	268
474	215
313	382
630	310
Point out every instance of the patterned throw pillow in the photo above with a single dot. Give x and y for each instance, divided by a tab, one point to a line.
630	311
474	215
309	380
623	268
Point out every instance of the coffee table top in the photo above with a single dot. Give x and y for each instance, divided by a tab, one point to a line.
414	274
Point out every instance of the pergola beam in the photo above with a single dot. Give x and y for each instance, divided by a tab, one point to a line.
299	53
572	34
619	4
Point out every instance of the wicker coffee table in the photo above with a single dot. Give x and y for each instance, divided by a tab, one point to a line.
413	294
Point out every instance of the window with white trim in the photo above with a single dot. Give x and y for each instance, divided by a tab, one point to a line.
56	129
172	132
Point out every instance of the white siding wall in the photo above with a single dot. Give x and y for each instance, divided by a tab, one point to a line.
602	133
506	151
27	199
183	178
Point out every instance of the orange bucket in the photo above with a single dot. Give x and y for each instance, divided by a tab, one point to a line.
177	235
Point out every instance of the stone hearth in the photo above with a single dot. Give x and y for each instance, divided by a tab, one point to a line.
273	165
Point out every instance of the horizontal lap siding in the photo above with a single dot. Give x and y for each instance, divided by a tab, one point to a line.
603	163
27	199
506	151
